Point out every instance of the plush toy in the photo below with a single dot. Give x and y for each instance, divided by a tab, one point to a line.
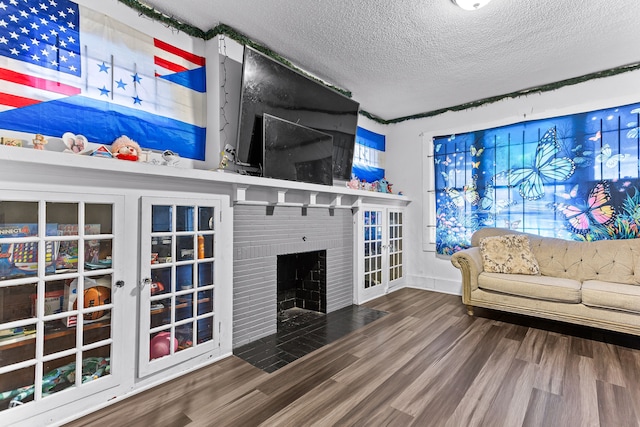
384	186
125	148
354	183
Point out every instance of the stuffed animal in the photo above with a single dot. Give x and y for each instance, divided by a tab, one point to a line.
354	183
125	148
384	186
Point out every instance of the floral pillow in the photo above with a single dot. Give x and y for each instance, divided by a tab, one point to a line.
510	253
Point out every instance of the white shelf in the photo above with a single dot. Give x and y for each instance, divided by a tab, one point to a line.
24	165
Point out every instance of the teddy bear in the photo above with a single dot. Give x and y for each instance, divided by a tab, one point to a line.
125	148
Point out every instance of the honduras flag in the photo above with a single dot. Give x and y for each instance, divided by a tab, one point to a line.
66	68
368	158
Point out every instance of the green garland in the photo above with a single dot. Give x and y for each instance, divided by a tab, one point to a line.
167	20
220	29
226	30
538	89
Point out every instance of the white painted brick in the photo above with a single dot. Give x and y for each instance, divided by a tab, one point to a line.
258	238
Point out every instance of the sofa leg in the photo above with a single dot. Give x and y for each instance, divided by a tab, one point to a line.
470	310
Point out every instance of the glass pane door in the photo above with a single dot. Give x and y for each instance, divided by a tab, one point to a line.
395	245
373	245
177	290
56	296
380	252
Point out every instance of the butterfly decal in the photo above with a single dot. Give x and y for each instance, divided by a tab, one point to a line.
512	225
596	137
476	151
546	166
632	133
438	147
571	194
489	204
446	161
469	194
475	165
596	211
456	196
609	159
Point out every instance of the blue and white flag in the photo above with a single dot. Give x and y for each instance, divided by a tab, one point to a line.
368	156
66	68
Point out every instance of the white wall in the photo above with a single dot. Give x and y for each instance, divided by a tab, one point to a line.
407	165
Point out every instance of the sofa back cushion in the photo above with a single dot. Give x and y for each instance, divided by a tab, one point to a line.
604	260
557	257
611	261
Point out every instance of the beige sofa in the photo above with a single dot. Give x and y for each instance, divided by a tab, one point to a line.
588	283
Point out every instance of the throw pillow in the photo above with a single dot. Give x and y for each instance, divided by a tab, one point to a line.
510	253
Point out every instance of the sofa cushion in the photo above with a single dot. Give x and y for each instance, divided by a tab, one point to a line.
556	257
510	254
611	261
617	296
538	287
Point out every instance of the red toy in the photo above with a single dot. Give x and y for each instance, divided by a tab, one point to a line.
125	148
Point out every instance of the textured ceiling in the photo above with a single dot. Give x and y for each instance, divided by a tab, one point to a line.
406	57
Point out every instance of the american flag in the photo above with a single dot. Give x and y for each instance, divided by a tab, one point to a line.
42	33
106	79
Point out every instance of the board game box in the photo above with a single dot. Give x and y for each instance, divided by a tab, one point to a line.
20	259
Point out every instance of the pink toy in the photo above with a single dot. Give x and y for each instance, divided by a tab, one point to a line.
125	148
159	345
354	183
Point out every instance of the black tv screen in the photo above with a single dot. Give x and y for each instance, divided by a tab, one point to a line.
272	88
296	153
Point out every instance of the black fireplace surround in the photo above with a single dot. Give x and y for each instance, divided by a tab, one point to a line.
302	281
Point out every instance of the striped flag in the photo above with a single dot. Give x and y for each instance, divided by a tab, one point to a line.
38	36
369	155
67	68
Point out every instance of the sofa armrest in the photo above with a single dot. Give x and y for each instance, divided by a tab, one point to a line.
469	262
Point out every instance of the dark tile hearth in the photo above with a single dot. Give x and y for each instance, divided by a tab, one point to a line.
302	331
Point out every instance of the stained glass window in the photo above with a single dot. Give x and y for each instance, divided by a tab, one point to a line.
575	177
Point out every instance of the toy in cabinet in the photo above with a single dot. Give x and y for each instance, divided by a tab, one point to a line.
19	258
96	293
68	250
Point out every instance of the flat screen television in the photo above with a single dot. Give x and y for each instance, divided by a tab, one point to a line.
273	88
296	153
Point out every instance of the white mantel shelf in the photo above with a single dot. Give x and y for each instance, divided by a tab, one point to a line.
32	166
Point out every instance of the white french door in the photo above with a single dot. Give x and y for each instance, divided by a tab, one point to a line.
178	296
379	251
61	291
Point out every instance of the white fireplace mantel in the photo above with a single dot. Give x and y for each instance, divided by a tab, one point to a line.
25	165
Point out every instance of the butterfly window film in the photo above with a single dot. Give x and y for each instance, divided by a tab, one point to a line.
574	177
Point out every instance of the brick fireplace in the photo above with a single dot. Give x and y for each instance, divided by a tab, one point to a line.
302	281
261	234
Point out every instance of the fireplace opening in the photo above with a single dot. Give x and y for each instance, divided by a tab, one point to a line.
302	287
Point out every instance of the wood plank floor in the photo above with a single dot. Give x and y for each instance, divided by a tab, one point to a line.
425	364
